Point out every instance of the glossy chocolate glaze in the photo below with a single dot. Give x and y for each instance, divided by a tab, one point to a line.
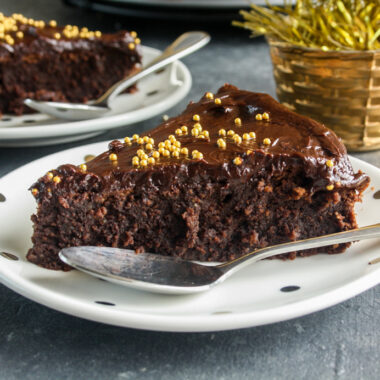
295	141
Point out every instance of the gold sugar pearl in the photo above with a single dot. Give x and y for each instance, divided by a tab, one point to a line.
20	34
131	46
175	154
198	126
156	154
221	143
172	138
83	167
161	151
53	23
144	157
135	137
185	151
151	141
98	34
137	41
34	191
237	139
246	136
178	132
151	161
146	139
249	151
230	133
209	95
127	140
259	116
329	163
237	161
266	141
148	146
9	40
135	161
140	152
218	101
166	153
196	118
330	187
168	144
84	30
133	34
56	179
143	163
252	135
197	155
57	36
266	116
195	132
238	122
112	157
140	141
206	134
184	129
222	132
177	144
50	175
161	145
173	148
200	137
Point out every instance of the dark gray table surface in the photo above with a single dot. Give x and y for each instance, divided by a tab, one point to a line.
36	342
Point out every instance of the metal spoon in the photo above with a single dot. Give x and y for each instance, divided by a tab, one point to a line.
164	274
184	45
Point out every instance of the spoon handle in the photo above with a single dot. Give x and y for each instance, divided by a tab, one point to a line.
362	233
185	44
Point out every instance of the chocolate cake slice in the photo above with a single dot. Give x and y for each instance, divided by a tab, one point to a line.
66	64
234	172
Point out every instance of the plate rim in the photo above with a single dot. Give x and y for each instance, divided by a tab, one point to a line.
180	323
94	125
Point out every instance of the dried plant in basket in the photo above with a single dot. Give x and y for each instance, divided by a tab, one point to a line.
326	58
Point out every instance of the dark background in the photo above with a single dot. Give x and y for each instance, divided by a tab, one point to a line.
341	342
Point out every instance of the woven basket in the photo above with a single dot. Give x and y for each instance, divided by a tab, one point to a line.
341	89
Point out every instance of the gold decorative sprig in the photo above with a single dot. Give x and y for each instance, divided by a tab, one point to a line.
321	24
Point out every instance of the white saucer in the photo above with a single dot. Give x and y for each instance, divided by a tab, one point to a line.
267	292
157	93
213	4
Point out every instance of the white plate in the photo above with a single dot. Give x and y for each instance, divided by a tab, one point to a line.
251	297
157	93
198	3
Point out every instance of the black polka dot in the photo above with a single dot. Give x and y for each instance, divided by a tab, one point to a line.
377	194
9	256
290	288
105	303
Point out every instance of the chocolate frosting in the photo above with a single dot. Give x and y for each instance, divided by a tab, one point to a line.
296	141
42	41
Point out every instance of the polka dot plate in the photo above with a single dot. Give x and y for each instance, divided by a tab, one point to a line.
266	292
